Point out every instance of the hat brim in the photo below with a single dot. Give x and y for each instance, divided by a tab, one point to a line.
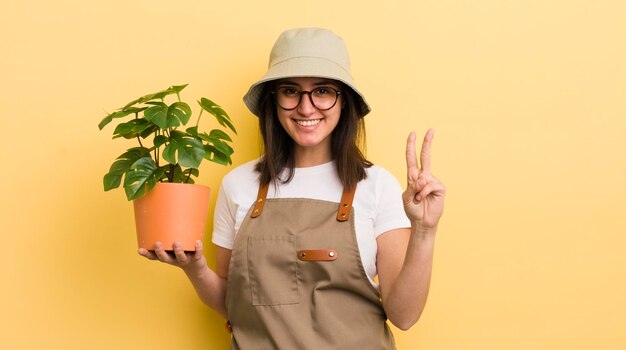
303	67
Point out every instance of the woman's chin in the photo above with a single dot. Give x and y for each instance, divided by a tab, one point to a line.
312	142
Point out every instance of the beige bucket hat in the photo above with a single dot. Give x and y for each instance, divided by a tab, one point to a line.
307	52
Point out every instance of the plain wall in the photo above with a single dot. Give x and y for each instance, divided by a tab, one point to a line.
528	99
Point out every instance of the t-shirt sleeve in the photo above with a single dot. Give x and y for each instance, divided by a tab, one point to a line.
390	210
224	220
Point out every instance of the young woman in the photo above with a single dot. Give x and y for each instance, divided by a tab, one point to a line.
302	232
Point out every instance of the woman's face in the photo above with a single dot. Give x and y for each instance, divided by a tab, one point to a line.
308	126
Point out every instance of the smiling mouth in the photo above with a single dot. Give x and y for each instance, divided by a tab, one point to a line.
308	122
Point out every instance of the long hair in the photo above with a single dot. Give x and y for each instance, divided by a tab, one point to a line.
347	140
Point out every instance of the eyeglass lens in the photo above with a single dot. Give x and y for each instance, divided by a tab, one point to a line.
323	98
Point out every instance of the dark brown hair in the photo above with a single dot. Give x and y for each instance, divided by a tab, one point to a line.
347	140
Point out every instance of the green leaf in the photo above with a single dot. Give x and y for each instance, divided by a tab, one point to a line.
176	89
156	103
118	114
175	172
180	111
163	171
159	140
204	136
158	115
189	149
178	175
216	156
114	177
168	116
220	114
123	129
223	147
218	142
141	178
149	131
188	178
193	171
132	128
219	134
216	150
192	131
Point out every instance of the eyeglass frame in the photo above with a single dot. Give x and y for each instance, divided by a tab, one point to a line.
300	92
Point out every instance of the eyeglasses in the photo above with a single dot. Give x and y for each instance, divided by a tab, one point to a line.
322	98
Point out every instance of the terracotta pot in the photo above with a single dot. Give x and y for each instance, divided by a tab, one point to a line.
172	212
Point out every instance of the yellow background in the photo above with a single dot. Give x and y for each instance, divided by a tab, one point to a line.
528	99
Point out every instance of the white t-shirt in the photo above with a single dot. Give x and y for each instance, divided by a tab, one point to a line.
377	203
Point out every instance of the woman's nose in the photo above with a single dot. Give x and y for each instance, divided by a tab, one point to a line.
306	106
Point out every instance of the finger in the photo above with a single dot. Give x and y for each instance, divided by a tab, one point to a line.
425	154
161	253
412	189
198	254
180	253
412	171
421	182
408	196
433	188
147	254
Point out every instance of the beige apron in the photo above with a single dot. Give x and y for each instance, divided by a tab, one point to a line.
296	281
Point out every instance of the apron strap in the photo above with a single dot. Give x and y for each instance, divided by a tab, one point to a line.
260	200
343	214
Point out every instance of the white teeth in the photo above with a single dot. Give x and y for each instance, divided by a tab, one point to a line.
308	122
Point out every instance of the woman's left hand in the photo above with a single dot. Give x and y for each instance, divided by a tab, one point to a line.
423	198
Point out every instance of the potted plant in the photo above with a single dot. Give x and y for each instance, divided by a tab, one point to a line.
158	174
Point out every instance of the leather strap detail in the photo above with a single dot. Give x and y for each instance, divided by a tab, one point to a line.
343	214
260	201
317	255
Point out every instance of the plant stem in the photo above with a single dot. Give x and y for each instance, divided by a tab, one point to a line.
171	175
156	152
188	176
199	115
138	139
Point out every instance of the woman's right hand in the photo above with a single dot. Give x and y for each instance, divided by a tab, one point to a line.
188	261
210	287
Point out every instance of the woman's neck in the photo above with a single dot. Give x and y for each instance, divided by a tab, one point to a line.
310	156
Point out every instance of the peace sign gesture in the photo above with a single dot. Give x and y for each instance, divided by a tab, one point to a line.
423	198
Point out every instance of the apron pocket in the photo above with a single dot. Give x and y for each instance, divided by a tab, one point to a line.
273	268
